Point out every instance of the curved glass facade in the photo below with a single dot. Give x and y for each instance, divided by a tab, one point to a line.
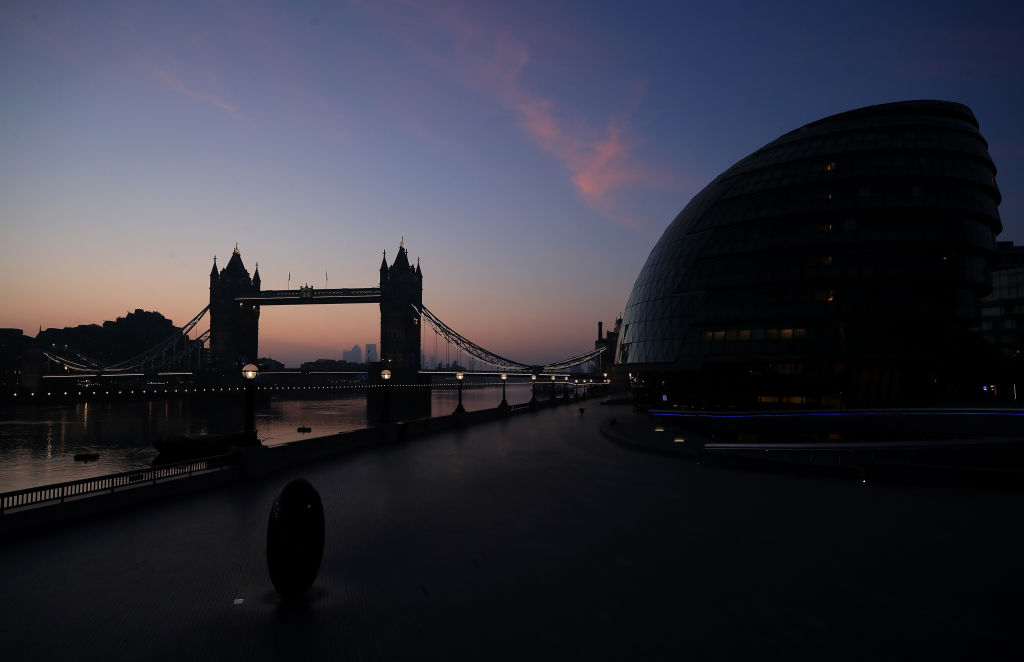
840	265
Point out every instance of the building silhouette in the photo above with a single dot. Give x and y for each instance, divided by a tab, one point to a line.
13	344
354	355
401	296
609	342
371	353
234	326
1002	322
841	265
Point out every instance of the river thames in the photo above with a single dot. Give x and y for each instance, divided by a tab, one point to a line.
38	443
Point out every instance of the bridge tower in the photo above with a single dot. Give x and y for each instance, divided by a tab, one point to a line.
401	287
234	326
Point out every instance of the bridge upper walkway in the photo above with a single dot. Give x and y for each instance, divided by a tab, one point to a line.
312	295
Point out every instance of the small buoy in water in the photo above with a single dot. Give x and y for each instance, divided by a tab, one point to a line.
85	457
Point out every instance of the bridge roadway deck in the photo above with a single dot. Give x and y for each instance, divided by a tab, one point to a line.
534	537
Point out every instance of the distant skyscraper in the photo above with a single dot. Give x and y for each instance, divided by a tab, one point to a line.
354	355
371	353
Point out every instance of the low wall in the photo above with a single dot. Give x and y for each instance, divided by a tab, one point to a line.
46	516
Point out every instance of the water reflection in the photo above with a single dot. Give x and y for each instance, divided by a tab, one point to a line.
38	444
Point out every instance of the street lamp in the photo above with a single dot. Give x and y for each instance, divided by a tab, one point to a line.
385	375
533	393
249	373
504	402
460	409
553	387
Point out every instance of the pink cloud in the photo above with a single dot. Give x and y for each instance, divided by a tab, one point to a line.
600	164
489	58
174	83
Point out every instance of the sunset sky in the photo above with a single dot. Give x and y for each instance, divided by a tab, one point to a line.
530	153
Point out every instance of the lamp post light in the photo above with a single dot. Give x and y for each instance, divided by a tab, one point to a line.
385	375
533	392
504	403
249	373
460	409
553	394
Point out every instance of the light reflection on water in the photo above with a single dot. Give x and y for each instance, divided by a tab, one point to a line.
38	444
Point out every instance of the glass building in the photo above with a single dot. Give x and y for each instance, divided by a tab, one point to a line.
1002	311
841	265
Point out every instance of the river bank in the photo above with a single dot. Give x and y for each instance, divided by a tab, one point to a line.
38	443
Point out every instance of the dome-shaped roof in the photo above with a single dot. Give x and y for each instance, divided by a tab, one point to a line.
833	240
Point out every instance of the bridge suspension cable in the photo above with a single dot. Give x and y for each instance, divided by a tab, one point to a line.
579	359
149	356
153	357
465	344
89	365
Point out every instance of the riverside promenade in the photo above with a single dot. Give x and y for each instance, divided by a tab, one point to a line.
533	537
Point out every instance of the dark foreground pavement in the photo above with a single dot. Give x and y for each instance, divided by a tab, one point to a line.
534	537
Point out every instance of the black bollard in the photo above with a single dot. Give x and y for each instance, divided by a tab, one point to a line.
295	538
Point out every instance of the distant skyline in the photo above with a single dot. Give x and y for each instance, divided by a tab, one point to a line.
529	153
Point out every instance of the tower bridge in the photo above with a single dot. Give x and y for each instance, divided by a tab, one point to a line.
235	301
233	334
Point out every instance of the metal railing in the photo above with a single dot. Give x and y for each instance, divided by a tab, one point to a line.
59	492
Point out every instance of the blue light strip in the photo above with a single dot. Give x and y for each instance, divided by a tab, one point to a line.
806	414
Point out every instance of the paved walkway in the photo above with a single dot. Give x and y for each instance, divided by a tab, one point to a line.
534	537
